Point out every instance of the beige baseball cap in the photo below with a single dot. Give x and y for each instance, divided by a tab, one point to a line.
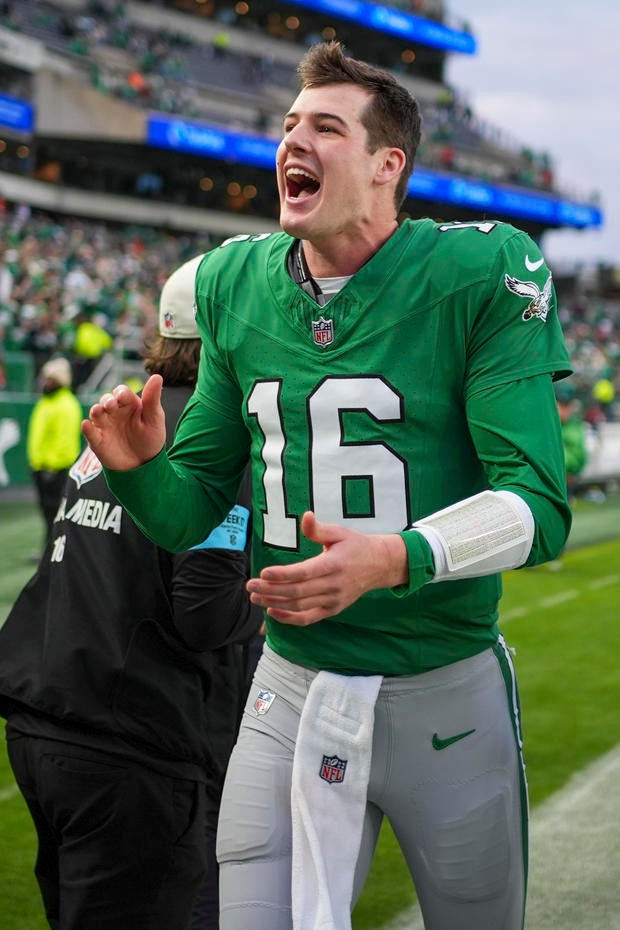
177	315
59	370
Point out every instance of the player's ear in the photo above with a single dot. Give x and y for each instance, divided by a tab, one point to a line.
392	164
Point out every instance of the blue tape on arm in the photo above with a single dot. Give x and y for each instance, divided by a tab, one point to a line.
231	533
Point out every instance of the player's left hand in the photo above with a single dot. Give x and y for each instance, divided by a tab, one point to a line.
351	564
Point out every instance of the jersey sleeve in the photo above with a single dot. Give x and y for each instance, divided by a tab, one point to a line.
516	332
515	428
516	431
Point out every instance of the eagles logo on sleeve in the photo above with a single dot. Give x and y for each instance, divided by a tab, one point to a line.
539	300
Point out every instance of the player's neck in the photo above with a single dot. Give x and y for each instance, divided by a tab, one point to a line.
340	255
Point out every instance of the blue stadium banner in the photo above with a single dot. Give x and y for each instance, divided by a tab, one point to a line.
16	114
488	199
201	139
495	199
395	22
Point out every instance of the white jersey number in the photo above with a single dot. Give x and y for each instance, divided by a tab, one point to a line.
485	227
334	462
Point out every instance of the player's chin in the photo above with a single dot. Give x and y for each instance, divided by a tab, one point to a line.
297	219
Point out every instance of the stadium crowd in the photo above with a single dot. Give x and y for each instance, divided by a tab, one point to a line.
592	332
62	275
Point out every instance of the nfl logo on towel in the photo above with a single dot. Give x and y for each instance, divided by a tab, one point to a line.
323	331
333	769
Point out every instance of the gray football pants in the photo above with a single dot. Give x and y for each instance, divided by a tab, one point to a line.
446	771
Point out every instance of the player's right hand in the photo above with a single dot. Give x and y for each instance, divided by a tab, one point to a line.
323	585
124	430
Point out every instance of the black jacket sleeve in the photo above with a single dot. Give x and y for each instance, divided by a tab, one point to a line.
210	605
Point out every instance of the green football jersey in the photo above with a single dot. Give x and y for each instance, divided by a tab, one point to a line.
405	393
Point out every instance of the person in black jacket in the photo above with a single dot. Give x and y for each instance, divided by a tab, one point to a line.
123	673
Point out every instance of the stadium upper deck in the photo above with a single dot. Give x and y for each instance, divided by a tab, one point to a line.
178	103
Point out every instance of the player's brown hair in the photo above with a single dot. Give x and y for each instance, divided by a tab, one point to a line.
391	117
176	360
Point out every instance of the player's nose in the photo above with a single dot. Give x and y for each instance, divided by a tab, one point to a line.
297	138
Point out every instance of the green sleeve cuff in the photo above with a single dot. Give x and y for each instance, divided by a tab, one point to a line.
136	485
421	563
159	501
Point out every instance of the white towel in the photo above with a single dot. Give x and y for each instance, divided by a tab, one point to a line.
328	797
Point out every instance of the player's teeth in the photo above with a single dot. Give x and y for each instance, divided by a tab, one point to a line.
298	171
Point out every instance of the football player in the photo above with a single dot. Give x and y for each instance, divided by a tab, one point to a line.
392	385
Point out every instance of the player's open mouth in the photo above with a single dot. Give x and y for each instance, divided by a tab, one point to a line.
300	184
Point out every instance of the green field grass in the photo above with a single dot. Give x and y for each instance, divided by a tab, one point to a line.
562	624
21	534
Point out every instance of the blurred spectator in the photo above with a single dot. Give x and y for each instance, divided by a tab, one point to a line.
604	394
573	435
221	41
53	437
90	343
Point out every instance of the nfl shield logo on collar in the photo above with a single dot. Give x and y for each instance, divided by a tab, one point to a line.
333	769
323	331
263	702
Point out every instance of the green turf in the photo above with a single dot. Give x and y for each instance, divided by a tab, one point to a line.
20	904
595	522
21	537
563	625
567	663
21	534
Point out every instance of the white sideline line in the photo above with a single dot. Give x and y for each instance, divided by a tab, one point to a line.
574	855
604	582
513	614
556	599
552	601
